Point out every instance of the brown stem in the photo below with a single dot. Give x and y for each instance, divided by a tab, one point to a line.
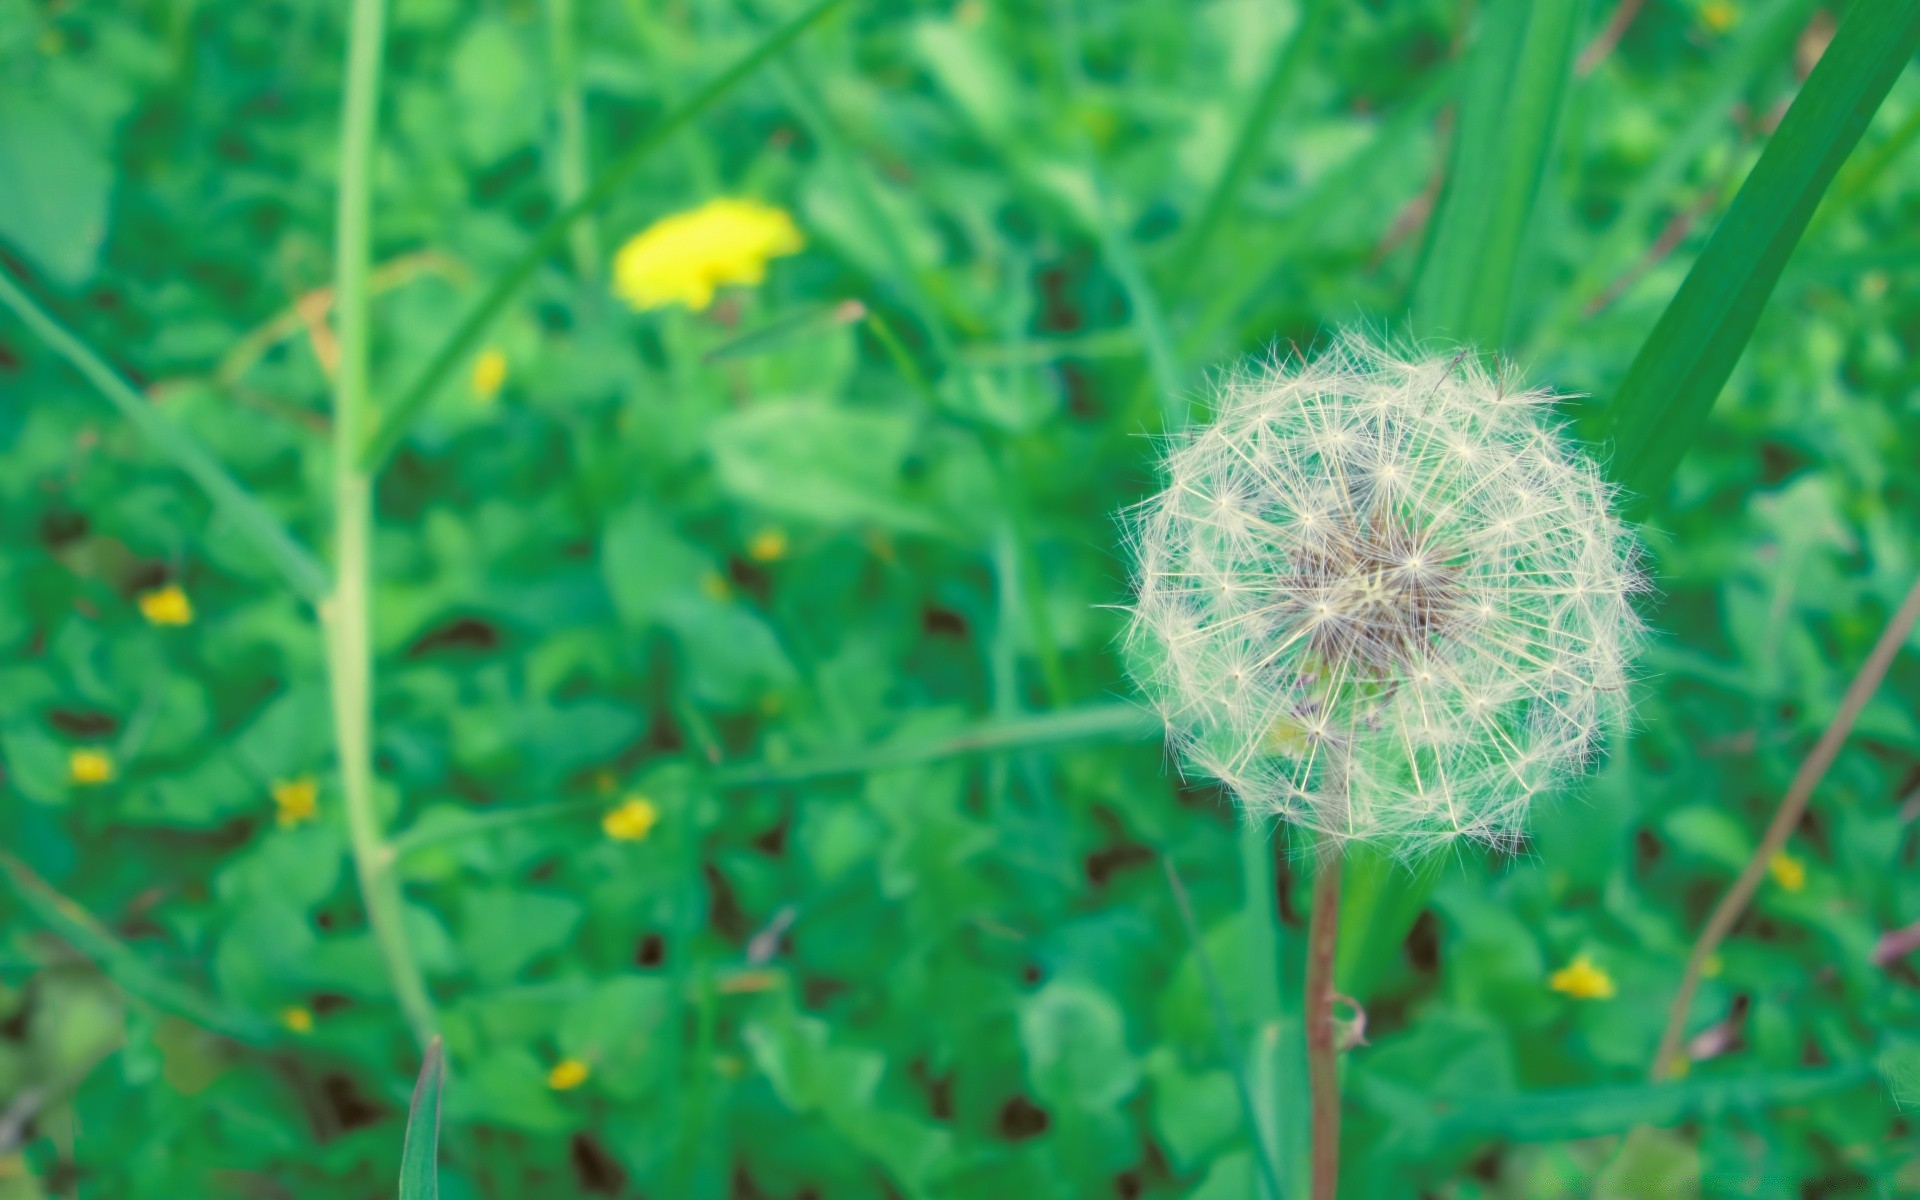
1323	1061
1792	807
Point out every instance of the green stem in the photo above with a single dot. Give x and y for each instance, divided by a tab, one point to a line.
347	613
570	149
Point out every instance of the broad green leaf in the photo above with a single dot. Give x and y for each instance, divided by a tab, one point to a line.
1509	113
420	1153
54	183
818	463
1075	1039
1664	400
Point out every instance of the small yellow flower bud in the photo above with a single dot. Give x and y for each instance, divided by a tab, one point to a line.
632	821
567	1074
489	374
297	1019
298	800
769	545
89	767
1582	980
1788	871
166	606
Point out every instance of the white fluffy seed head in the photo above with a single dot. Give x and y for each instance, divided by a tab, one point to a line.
1383	597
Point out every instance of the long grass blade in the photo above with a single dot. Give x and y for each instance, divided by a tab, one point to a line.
1275	90
1508	116
1031	731
1662	403
420	1153
84	932
394	421
295	562
1266	1152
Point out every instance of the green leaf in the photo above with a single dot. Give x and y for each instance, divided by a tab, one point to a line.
1075	1039
1664	400
420	1154
54	185
466	336
818	463
1509	114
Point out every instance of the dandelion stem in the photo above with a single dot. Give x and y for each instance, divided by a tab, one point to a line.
1792	807
1323	1062
347	615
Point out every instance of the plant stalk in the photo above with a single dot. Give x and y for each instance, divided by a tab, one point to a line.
1786	818
1323	1052
346	614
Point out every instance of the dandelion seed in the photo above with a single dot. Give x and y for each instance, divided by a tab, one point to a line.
1787	871
297	801
567	1074
632	821
296	1019
489	375
87	767
1383	597
684	258
166	606
1582	980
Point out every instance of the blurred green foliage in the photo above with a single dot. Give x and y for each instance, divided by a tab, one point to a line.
827	590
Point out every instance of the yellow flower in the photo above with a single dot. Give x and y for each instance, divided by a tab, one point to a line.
1719	15
297	1019
681	259
567	1074
297	799
489	374
89	766
632	821
768	545
1582	980
1788	871
166	606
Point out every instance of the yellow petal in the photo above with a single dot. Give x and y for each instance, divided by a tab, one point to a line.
89	766
297	1019
1582	980
632	821
567	1074
166	606
683	258
489	374
1788	871
297	800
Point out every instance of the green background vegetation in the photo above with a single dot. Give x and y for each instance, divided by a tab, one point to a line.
904	927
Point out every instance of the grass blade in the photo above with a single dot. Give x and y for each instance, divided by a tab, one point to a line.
295	562
1674	380
1266	1152
393	423
1274	92
1509	114
84	932
420	1154
1031	731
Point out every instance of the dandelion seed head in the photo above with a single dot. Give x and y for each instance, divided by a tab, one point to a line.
1383	597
